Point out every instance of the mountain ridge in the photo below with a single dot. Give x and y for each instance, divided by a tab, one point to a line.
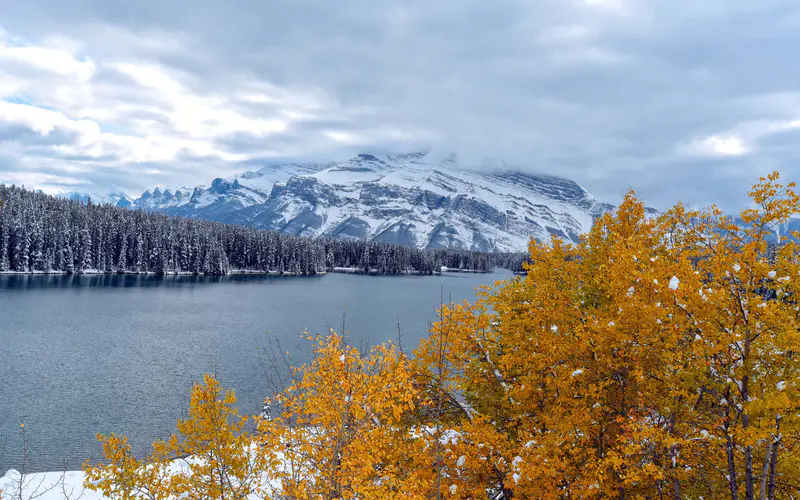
416	199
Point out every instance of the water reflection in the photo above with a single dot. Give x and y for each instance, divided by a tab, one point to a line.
49	281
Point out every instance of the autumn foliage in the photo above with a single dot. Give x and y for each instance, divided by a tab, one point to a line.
657	358
210	457
343	428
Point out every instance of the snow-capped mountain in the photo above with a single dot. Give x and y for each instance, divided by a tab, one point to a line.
415	199
119	199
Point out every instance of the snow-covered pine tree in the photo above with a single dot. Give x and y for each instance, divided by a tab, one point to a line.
43	233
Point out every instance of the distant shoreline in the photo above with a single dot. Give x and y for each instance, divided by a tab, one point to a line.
94	272
340	270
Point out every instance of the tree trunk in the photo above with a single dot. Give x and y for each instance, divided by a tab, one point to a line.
731	467
773	461
673	451
676	489
730	450
748	468
762	493
748	450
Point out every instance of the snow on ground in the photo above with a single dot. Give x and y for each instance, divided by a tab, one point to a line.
68	485
64	485
47	486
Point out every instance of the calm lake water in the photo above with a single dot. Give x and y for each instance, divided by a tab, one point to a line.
86	354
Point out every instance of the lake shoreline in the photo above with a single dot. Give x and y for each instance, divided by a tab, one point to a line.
235	272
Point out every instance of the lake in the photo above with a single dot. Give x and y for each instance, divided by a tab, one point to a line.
88	354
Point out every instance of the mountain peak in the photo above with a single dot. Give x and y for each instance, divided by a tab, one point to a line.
422	198
413	156
366	157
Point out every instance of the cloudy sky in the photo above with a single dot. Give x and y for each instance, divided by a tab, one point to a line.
679	99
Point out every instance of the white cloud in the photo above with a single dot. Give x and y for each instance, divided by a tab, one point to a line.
617	5
48	183
90	141
152	77
344	137
598	91
199	116
154	117
40	120
783	126
53	60
743	139
586	55
567	33
719	146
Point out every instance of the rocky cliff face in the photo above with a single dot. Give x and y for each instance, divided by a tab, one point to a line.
412	199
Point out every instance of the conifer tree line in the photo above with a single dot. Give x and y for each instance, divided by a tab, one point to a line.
42	233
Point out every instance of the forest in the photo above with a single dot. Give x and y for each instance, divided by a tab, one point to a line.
657	358
43	233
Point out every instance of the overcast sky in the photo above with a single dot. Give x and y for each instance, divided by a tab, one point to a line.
679	99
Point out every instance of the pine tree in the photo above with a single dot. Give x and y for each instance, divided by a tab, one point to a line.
138	256
67	255
122	258
85	260
5	265
43	233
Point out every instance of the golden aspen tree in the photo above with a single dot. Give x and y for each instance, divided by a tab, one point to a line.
209	457
342	430
656	358
744	365
124	477
558	368
465	420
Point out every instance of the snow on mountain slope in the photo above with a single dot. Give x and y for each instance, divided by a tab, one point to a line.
415	199
119	199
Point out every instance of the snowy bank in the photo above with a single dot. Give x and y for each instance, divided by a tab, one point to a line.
94	272
67	485
376	272
446	269
46	486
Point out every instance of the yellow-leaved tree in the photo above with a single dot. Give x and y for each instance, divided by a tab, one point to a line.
210	457
344	428
656	358
344	431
